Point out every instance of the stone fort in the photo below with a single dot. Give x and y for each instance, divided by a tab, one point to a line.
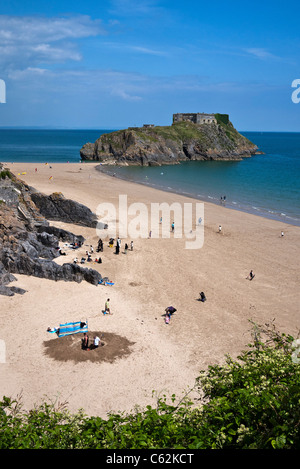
196	118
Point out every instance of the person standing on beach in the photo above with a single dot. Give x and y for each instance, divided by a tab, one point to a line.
85	342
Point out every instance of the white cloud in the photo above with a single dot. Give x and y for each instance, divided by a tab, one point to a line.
133	8
137	49
261	53
36	29
29	40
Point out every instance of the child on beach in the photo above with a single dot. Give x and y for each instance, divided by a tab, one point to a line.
107	307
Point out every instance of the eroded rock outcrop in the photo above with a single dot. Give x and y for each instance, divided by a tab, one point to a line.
29	245
57	207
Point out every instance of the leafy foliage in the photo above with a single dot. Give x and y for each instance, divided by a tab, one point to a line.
5	173
249	402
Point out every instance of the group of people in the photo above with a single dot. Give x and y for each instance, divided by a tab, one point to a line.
89	253
100	245
86	345
126	247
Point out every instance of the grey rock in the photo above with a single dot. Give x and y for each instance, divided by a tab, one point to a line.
28	244
57	207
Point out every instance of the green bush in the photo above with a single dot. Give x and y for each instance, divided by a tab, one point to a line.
222	118
5	173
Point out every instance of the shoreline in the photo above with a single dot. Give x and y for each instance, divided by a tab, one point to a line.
105	169
208	199
159	272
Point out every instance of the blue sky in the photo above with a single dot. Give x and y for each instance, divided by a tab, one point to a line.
119	63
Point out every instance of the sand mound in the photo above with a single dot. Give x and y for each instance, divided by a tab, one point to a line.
68	348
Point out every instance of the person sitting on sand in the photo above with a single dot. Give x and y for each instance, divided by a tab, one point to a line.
251	275
202	297
97	342
167	318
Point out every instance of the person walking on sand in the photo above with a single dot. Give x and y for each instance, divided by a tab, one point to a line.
107	307
251	275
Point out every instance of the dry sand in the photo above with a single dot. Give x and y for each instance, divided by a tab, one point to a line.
141	353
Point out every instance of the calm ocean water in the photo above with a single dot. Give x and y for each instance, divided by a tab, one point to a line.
267	185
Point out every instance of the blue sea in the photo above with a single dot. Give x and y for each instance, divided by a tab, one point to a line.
267	185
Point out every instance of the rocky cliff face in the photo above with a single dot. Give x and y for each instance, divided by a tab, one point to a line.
28	244
183	141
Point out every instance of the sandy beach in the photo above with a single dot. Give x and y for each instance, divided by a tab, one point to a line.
164	358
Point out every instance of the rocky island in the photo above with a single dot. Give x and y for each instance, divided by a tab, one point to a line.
190	137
